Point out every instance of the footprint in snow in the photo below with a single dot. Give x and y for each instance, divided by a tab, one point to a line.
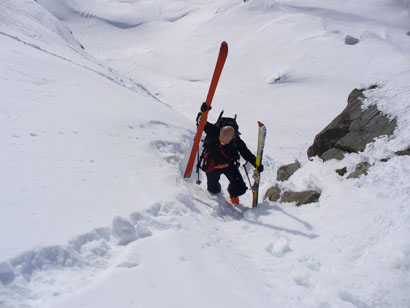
84	256
279	247
126	232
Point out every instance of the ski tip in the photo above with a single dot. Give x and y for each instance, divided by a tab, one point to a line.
224	45
260	124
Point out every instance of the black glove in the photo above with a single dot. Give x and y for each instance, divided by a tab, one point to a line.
260	168
204	107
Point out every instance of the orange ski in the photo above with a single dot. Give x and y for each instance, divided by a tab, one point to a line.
223	53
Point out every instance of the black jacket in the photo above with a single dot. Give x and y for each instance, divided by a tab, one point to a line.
228	153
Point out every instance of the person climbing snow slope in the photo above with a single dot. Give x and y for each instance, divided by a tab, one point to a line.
224	148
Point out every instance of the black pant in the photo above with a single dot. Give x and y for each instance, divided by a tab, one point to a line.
237	186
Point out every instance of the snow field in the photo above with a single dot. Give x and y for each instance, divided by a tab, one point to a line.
277	51
96	136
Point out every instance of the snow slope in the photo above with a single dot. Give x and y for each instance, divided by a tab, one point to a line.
75	137
94	209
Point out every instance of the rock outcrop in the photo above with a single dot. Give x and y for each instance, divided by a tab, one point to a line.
274	194
361	169
351	130
301	197
404	152
286	171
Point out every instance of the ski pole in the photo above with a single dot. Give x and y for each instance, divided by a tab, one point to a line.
198	119
198	181
247	175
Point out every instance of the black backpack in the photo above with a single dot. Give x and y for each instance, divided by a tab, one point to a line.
223	121
203	164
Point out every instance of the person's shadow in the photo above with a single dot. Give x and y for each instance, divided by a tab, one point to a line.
265	209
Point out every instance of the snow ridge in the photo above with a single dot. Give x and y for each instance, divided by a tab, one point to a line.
111	76
47	28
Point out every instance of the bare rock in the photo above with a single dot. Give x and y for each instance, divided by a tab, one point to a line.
341	171
352	129
350	40
402	153
361	169
286	171
273	193
333	153
301	197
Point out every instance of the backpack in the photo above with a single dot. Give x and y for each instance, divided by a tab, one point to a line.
205	163
223	121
